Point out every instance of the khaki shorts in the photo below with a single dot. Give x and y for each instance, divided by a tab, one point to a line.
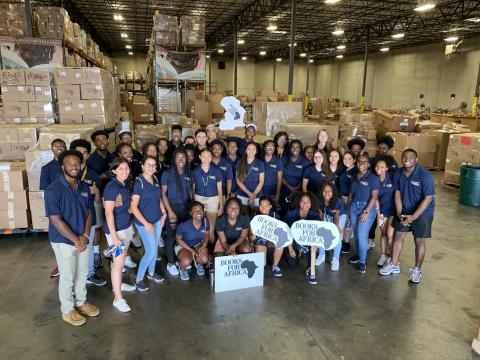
210	204
125	235
100	215
244	201
178	248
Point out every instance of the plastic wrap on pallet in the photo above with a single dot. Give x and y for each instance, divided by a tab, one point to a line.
12	19
167	99
193	30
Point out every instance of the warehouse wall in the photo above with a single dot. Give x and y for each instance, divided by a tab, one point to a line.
126	63
223	79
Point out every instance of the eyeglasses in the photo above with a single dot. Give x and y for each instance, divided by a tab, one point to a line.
150	165
318	157
362	162
59	146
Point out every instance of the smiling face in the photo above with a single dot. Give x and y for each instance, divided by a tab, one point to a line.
101	142
322	137
211	134
57	148
334	157
233	210
217	150
205	158
149	167
126	139
363	164
282	141
383	148
348	160
251	151
201	138
318	158
305	204
409	159
126	153
250	133
309	153
381	168
232	148
269	148
71	166
189	140
197	212
295	149
180	160
122	172
327	193
162	147
265	207
356	149
176	136
152	151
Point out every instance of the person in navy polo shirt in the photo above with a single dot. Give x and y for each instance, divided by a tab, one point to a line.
192	239
385	208
118	227
361	209
200	144
356	145
175	143
293	166
415	206
232	158
250	179
68	205
125	137
207	184
176	196
345	183
150	214
99	160
281	144
273	172
315	176
50	172
218	147
250	132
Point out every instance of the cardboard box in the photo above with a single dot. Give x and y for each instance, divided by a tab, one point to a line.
35	158
40	109
142	113
14	150
29	120
92	91
13	200
37	77
16	219
93	107
68	92
140	99
419	142
308	132
39	220
14	177
77	75
391	120
12	77
70	119
93	119
472	123
70	107
18	93
62	76
202	112
15	109
36	201
451	177
425	159
271	113
43	93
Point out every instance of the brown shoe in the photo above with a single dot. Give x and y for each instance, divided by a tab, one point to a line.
88	310
74	318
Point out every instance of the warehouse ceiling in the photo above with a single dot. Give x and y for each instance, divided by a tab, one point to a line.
377	20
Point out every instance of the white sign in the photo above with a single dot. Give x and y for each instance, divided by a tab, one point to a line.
234	113
239	272
316	233
273	230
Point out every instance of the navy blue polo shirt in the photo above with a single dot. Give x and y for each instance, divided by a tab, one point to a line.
190	234
272	168
150	197
293	170
345	180
233	164
174	194
315	178
242	145
336	176
227	173
294	215
118	193
99	164
386	196
206	183
232	232
362	188
414	189
330	212
50	172
72	206
254	169
89	176
393	168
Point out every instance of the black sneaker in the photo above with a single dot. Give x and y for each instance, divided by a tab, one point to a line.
97	260
354	259
141	286
345	247
96	280
361	268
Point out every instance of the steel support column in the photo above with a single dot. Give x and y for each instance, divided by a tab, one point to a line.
293	25
210	72
365	65
477	93
235	60
274	74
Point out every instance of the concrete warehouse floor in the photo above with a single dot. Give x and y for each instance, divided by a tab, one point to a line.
346	316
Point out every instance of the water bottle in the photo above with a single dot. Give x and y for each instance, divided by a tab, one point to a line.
119	250
109	251
211	275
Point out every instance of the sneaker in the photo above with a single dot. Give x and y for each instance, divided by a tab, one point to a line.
354	259
276	271
172	270
97	260
371	243
159	257
382	260
345	247
389	269
361	268
74	318
96	280
311	279
184	274
88	310
121	305
129	262
335	266
55	273
155	277
415	275
200	269
141	286
124	270
320	260
127	287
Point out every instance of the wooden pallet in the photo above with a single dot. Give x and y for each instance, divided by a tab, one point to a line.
23	231
449	184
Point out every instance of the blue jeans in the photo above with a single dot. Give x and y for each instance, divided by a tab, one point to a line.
91	269
150	244
360	231
336	250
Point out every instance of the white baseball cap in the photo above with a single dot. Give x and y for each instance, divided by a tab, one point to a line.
251	125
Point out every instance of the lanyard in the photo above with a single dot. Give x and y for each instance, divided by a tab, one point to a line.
205	182
84	173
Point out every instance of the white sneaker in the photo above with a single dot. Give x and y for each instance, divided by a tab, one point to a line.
121	305
320	260
172	270
127	287
129	262
389	269
335	266
371	244
382	261
415	275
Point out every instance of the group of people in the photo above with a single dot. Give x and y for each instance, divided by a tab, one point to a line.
195	198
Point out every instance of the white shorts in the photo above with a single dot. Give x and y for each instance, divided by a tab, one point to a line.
178	248
244	201
210	204
125	235
100	215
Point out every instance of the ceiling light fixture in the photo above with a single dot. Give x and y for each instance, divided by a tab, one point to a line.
310	61
128	46
244	58
398	36
451	39
208	56
279	59
117	17
341	47
332	2
338	32
385	49
272	27
130	53
475	20
263	53
424	5
294	44
124	35
339	56
220	51
303	54
241	42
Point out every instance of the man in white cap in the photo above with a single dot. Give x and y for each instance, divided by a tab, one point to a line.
250	132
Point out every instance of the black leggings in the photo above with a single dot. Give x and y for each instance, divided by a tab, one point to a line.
181	210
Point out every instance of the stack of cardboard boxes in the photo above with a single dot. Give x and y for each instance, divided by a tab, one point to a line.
51	22
165	29
168	99
269	115
423	144
16	139
353	125
388	120
473	123
12	19
14	212
142	110
215	99
193	30
462	149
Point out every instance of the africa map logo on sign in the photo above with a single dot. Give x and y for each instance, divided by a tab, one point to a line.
239	272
